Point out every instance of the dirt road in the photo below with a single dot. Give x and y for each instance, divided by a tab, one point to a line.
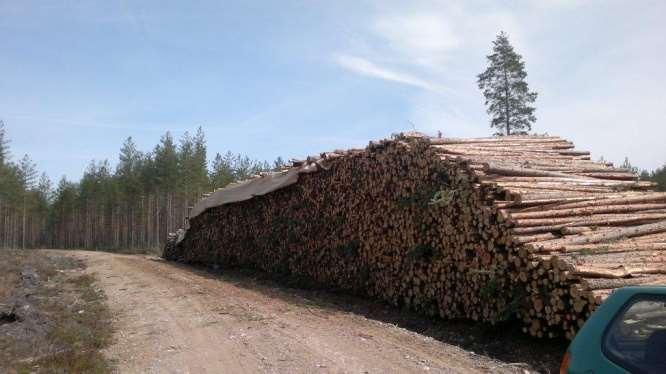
172	318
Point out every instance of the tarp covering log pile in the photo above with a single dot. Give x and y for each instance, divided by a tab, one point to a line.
486	229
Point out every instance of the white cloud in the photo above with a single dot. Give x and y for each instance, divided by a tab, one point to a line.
362	66
433	34
595	66
550	5
425	37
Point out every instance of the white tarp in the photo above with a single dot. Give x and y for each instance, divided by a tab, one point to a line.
246	190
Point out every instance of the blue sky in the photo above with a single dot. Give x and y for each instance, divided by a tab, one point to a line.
293	78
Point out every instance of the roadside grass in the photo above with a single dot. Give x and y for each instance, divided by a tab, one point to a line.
62	323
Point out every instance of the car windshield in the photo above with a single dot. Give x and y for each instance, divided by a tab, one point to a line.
636	340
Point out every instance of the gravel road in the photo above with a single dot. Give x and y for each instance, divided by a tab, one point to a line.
172	318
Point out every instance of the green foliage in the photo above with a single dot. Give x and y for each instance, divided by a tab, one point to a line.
45	188
165	156
421	198
442	197
245	167
66	196
234	167
27	172
4	144
199	163
129	170
145	195
507	96
279	164
192	164
659	176
222	172
11	185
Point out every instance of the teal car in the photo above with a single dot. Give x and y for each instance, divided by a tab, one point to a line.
626	334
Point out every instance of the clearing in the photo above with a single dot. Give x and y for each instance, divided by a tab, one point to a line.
53	317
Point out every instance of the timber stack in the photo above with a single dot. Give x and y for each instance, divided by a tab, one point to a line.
488	229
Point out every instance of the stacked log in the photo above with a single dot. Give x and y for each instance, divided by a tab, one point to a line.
486	229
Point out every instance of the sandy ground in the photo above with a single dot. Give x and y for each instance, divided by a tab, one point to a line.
172	318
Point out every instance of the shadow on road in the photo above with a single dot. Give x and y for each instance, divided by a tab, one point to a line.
505	342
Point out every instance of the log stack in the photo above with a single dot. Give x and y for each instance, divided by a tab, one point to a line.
487	229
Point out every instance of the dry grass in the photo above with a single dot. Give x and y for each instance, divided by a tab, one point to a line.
63	320
7	282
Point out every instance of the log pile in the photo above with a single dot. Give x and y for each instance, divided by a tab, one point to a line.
486	229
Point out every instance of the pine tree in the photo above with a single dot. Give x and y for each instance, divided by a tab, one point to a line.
165	158
28	177
129	158
28	173
63	212
11	184
167	175
192	164
4	144
279	164
507	95
128	170
200	162
146	197
244	167
185	161
147	172
222	172
43	196
659	176
45	188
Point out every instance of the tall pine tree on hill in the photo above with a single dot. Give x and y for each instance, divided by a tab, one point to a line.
507	95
